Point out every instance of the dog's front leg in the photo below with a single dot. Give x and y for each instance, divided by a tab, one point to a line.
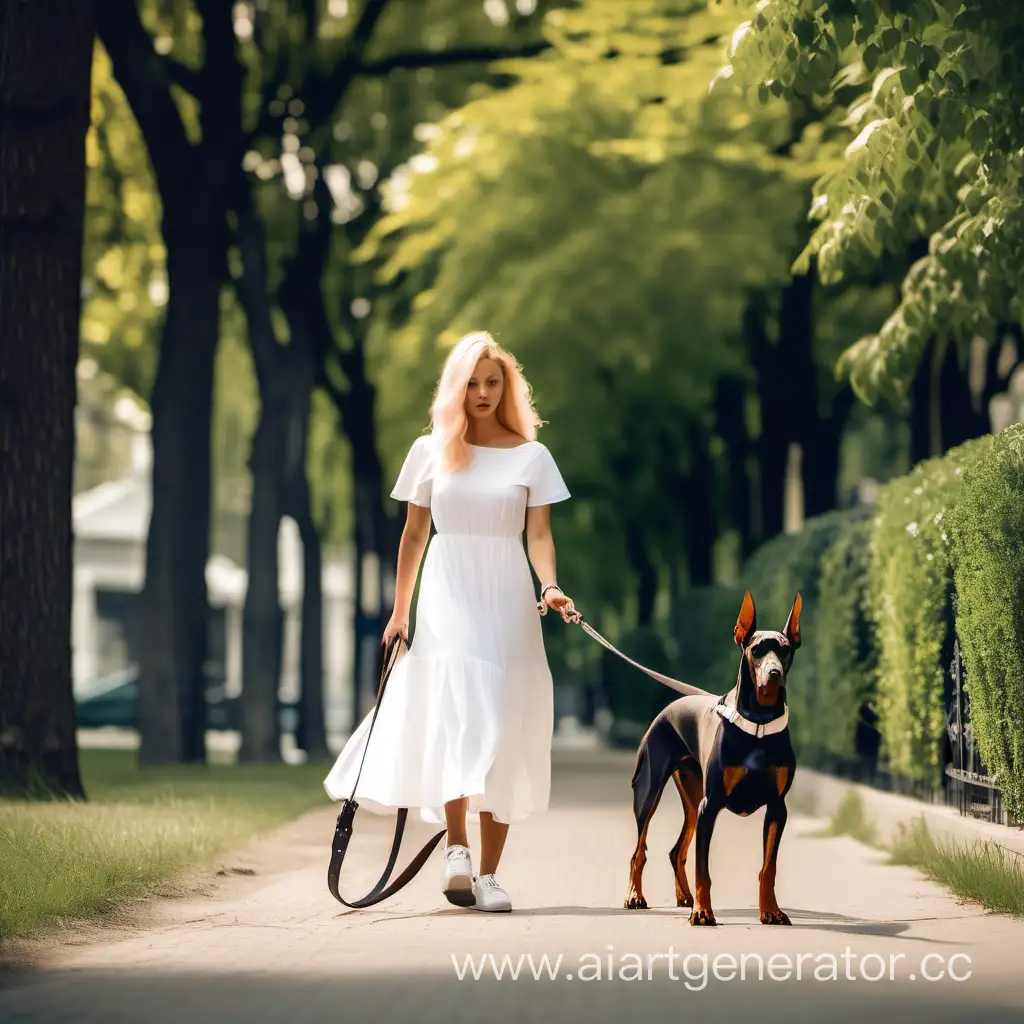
707	814
774	822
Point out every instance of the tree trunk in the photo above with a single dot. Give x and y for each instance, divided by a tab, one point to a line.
821	444
311	730
921	409
961	420
373	530
301	298
774	393
263	618
45	81
731	426
195	183
646	572
172	638
700	512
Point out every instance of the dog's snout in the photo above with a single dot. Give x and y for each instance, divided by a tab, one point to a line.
774	674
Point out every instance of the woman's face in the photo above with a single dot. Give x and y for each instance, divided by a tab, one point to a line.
483	393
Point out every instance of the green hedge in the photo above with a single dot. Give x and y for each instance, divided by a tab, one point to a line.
986	531
845	650
909	600
885	592
775	573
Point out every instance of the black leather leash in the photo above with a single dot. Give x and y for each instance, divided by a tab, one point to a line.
343	830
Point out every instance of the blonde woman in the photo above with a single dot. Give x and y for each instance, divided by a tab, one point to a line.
464	732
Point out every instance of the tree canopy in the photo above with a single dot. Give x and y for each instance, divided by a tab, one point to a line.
605	217
931	92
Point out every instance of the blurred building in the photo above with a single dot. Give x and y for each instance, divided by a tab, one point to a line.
111	521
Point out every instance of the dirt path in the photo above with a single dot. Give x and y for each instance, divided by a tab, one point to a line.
274	946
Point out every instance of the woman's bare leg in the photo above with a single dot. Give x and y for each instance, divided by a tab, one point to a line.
455	819
492	842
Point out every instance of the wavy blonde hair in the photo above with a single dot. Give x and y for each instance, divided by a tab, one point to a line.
448	417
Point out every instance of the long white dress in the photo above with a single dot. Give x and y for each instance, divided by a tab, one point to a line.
468	708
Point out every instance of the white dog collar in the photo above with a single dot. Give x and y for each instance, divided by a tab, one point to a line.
757	729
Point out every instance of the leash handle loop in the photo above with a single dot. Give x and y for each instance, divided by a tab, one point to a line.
346	819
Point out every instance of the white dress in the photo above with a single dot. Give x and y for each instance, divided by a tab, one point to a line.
468	708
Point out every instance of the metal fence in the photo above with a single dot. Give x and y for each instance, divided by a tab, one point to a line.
970	787
966	782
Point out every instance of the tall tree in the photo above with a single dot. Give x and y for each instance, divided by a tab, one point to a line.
44	117
339	126
194	179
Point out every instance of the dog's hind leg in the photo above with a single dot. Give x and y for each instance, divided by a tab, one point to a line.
691	791
658	757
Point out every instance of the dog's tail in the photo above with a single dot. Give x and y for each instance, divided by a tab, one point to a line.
686	689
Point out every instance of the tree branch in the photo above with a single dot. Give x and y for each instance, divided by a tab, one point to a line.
181	74
447	58
333	391
251	288
222	79
325	91
142	74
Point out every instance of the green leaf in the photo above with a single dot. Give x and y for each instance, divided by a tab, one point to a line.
843	28
890	39
909	79
979	133
803	29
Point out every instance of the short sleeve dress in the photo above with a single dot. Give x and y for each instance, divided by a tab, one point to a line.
468	709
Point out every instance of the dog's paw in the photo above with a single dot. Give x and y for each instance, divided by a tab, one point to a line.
775	916
686	900
702	917
635	902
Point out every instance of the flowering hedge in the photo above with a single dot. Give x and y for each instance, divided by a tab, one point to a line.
885	594
909	603
986	531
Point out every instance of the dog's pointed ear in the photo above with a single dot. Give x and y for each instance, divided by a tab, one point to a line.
792	629
746	624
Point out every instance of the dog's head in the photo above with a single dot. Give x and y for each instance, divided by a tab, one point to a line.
767	655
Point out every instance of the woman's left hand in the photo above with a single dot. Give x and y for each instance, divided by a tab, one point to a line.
562	604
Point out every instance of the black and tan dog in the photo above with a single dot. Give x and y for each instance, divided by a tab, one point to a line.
728	752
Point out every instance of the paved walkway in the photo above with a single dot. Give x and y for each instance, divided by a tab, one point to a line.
273	945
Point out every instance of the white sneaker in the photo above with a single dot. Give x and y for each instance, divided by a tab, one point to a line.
458	876
490	896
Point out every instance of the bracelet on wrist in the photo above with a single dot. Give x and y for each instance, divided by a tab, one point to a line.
550	586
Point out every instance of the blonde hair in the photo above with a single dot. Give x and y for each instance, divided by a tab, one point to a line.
448	417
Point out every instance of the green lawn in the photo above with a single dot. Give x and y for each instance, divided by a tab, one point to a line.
63	861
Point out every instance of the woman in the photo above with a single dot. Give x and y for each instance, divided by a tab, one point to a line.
465	726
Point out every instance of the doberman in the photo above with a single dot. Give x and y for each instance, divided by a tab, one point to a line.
729	752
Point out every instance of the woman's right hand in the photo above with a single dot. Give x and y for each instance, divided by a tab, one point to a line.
397	626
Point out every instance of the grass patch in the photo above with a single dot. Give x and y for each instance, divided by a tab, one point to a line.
982	872
850	820
63	861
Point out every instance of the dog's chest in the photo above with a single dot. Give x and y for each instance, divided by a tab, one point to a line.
754	774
